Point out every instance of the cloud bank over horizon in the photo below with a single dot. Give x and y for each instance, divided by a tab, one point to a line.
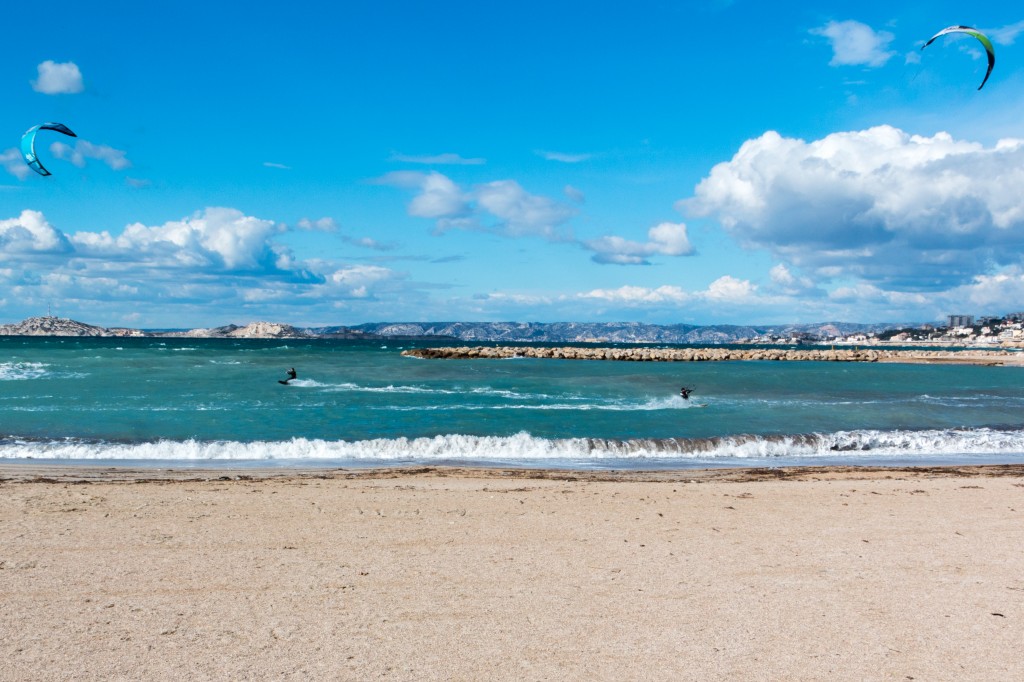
901	212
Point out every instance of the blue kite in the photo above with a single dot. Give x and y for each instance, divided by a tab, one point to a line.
28	144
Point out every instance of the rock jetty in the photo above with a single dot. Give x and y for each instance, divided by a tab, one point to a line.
988	357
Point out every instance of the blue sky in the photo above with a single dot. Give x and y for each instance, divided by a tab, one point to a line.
336	163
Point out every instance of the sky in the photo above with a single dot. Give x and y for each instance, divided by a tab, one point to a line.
335	163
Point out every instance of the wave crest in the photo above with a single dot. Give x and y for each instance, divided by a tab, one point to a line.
526	449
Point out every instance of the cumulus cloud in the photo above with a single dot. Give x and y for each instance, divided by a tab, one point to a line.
785	282
356	280
58	78
217	258
83	150
855	43
215	239
666	239
31	233
724	290
902	211
505	207
520	213
502	206
634	295
730	289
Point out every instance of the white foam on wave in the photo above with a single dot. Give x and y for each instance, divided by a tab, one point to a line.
671	403
22	371
525	448
424	390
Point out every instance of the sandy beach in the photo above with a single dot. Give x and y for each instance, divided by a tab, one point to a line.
439	574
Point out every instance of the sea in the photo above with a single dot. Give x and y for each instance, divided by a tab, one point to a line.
175	402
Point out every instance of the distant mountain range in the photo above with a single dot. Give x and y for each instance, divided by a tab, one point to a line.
543	332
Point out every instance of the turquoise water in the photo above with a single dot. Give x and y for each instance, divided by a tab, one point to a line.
208	401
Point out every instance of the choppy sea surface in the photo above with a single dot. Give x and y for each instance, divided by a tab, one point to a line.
210	402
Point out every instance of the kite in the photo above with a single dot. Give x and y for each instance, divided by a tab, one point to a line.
28	144
982	38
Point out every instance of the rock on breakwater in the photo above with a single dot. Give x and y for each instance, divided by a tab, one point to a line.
993	357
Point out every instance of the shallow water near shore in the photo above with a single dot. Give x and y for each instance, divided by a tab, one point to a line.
185	402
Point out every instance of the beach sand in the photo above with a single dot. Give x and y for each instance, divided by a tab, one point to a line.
459	574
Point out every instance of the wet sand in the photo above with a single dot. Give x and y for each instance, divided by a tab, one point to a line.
472	574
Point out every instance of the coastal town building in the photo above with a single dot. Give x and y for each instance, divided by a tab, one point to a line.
961	320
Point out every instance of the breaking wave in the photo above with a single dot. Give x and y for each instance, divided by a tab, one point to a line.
524	449
19	371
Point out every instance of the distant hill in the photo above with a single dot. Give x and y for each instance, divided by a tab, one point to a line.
472	332
52	326
611	332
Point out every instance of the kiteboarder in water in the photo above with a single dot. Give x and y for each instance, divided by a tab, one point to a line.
684	392
291	375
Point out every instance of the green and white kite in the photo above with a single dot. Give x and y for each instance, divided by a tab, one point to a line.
982	38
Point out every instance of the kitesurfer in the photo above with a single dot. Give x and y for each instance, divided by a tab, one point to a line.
291	375
684	392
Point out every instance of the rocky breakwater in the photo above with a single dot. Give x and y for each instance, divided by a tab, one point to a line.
717	354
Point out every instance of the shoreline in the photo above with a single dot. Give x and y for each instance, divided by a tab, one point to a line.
432	573
63	473
723	354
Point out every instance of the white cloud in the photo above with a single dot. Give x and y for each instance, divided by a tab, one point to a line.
564	157
502	206
634	295
724	290
31	233
728	289
319	225
521	213
574	194
216	262
785	282
439	197
83	149
271	164
448	159
356	280
58	78
1005	35
903	211
14	163
666	239
992	293
215	238
856	44
328	224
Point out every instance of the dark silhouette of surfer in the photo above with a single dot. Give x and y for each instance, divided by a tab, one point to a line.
685	392
291	375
